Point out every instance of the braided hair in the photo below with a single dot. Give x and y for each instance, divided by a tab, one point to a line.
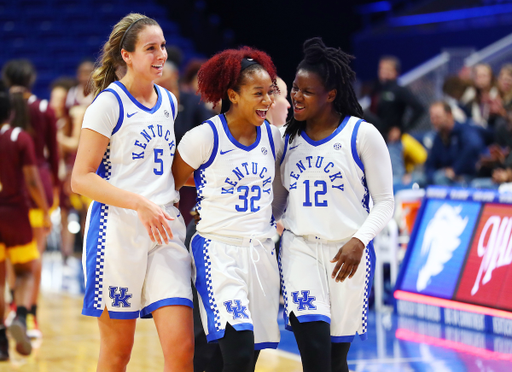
332	66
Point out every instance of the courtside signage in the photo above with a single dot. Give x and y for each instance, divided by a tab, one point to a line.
458	267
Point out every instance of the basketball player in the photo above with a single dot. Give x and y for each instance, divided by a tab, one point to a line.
134	258
34	115
18	174
232	156
333	162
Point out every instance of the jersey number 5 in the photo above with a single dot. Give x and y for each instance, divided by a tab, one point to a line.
159	170
256	195
321	190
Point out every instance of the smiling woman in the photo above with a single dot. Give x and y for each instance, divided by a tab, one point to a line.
136	264
233	159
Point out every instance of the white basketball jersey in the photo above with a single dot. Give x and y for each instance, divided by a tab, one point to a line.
328	196
142	146
234	187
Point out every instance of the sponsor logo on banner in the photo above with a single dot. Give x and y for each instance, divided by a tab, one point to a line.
440	248
487	277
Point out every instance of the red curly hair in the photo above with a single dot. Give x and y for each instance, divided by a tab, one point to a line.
222	72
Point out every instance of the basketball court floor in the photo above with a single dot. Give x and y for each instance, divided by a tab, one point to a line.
71	341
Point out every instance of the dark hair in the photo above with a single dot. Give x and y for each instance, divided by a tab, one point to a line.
19	72
224	71
332	66
445	105
454	86
123	36
394	60
5	104
19	76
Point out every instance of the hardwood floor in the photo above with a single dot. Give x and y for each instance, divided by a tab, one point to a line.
71	343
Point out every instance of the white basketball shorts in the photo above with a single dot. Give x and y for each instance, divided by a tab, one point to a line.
125	271
238	283
312	295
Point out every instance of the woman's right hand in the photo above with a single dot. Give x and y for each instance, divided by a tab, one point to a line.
154	220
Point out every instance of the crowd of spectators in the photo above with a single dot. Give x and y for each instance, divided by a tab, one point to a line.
470	137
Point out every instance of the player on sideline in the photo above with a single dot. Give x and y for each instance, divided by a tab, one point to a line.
333	162
18	174
38	120
232	156
134	259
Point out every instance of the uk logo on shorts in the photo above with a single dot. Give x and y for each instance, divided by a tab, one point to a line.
121	298
305	302
238	311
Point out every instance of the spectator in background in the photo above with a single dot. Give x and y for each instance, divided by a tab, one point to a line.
453	89
189	80
454	154
478	99
278	112
389	102
79	94
505	86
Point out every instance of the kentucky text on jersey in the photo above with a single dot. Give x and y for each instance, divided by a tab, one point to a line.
318	163
148	134
245	170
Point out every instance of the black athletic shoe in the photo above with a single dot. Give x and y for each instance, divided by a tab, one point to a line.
4	348
18	330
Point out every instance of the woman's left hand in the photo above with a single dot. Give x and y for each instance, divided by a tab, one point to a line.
347	260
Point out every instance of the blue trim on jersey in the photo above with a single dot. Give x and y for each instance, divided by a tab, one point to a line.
172	105
353	143
147	311
342	125
286	139
121	110
137	103
215	146
234	141
270	138
266	345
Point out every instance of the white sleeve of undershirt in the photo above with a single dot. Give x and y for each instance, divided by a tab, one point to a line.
196	146
374	155
102	115
280	193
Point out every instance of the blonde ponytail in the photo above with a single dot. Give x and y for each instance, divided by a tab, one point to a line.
126	31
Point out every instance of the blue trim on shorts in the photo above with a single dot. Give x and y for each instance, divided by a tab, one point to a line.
266	345
173	301
307	319
214	336
203	283
123	314
338	339
91	253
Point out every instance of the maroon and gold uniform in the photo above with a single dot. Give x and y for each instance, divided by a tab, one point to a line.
16	151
